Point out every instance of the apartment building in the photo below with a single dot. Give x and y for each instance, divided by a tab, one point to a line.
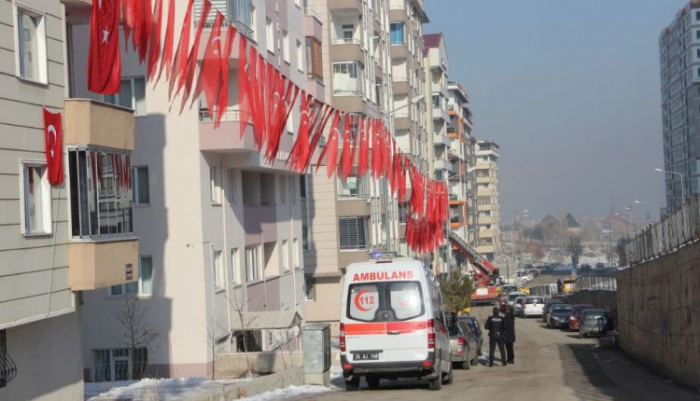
489	242
406	19
437	122
221	231
346	220
679	45
462	165
71	235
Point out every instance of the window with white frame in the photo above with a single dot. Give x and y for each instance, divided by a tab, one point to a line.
270	33
215	185
218	270
347	78
352	232
142	194
285	255
119	364
347	31
231	185
283	188
36	199
144	285
285	47
31	45
295	250
300	56
132	95
235	267
100	192
251	263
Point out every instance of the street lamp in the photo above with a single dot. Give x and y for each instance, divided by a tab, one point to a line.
660	170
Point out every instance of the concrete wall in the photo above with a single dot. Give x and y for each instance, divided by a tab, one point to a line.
233	366
659	314
599	299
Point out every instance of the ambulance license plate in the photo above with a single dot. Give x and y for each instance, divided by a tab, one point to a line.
365	356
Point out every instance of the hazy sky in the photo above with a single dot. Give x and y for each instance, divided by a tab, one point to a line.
570	91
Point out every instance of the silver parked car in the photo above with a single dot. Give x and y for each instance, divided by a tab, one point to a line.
463	342
592	322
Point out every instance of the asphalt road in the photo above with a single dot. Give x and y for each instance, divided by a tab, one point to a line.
550	365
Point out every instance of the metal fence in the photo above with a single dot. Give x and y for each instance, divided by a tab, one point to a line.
679	228
596	283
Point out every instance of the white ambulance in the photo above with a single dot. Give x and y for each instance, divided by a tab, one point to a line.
392	324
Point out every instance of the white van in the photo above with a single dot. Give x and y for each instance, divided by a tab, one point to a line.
392	324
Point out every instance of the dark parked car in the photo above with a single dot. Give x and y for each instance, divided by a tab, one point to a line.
600	265
592	322
585	267
464	344
476	329
558	315
547	306
575	315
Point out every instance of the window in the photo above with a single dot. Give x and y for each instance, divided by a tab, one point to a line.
295	251
300	57
235	269
141	192
132	95
8	369
352	231
310	288
218	270
293	189
36	197
31	46
100	193
119	364
270	31
231	185
354	186
283	188
144	285
697	34
285	47
285	255
403	211
347	78
348	32
214	185
397	33
314	59
251	263
403	298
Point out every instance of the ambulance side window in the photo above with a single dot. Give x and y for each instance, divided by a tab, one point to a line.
363	301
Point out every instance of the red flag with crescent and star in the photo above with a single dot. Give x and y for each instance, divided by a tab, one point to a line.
104	67
54	146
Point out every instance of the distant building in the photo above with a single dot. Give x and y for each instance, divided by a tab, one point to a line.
679	45
572	226
487	154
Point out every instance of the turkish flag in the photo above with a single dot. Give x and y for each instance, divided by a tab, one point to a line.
222	103
165	60
104	61
154	40
209	78
54	146
179	64
188	76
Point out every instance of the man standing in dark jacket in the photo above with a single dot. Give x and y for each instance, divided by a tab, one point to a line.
509	322
494	324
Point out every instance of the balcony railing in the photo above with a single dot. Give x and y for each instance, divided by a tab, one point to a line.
354	187
229	115
346	41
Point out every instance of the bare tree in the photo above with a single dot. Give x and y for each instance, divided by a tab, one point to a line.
246	320
137	332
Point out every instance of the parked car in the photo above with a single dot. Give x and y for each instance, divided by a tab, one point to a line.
575	315
558	315
518	305
585	267
513	296
463	344
476	329
532	306
508	288
600	265
592	322
547	306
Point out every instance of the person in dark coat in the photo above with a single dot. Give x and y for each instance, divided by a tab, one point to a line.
497	335
509	322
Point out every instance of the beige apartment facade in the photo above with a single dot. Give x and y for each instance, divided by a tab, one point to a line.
346	219
221	234
57	240
487	154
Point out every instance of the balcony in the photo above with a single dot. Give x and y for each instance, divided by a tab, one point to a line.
483	180
227	138
401	87
349	102
485	220
352	256
440	114
398	14
89	122
347	50
399	51
441	164
102	264
345	7
440	140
